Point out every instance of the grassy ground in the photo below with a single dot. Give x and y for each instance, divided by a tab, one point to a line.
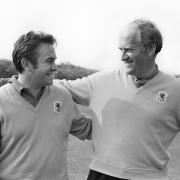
79	157
80	154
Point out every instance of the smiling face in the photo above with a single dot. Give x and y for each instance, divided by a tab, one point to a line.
42	74
136	59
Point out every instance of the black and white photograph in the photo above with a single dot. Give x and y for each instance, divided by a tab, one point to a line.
89	90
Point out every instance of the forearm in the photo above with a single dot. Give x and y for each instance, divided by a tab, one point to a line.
80	89
82	128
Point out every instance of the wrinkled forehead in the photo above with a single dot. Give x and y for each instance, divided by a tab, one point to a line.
130	35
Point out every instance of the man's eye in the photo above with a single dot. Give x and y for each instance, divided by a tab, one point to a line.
129	50
126	50
50	61
121	49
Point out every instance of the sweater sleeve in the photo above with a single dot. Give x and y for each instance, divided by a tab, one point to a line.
178	102
81	126
0	137
178	114
1	122
80	89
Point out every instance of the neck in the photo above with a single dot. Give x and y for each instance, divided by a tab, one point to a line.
28	82
149	75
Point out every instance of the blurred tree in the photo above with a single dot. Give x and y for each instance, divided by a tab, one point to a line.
64	71
7	68
71	72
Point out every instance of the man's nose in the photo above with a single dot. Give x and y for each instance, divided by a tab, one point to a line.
54	67
124	56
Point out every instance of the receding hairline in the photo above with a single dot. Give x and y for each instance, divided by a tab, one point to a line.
132	33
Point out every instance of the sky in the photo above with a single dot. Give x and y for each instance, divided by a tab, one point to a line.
88	30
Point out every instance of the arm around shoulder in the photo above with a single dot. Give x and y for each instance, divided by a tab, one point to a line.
80	89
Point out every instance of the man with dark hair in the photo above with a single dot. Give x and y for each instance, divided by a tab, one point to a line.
26	47
137	108
36	116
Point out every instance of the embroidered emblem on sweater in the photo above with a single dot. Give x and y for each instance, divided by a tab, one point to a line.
161	97
57	106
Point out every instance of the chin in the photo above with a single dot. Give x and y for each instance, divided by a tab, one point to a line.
129	72
49	83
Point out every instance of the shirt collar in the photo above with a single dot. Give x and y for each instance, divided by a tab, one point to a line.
19	87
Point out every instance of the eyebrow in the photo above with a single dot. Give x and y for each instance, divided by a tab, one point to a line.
126	48
51	58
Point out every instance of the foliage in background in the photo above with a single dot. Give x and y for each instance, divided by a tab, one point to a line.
71	72
6	68
64	71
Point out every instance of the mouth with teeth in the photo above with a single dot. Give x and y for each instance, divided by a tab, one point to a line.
129	64
51	75
129	61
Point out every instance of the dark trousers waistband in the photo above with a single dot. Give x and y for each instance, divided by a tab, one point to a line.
94	175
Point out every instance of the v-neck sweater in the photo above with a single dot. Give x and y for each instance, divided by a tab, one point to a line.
34	139
134	126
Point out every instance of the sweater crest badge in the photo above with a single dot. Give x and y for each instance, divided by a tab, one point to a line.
161	97
57	105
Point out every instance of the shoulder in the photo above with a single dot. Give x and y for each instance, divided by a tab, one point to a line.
58	90
169	79
6	94
5	89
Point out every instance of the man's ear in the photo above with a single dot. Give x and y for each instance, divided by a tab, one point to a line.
151	50
26	64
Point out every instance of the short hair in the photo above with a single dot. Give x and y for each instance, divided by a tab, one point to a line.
26	47
150	34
